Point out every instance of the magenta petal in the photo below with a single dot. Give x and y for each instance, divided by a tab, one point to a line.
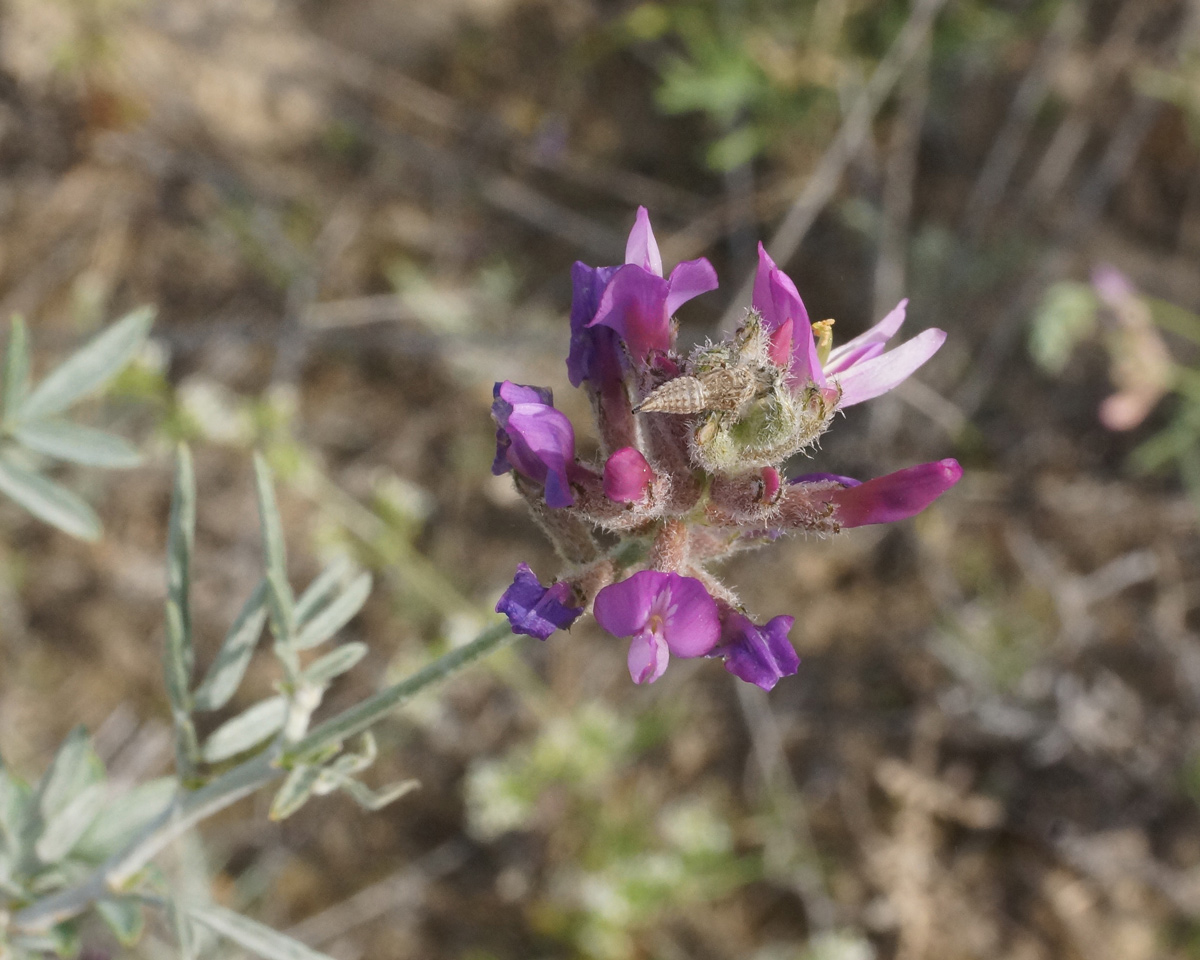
806	362
623	608
627	476
534	439
641	248
895	496
868	344
779	349
648	656
635	305
689	279
870	378
761	300
691	623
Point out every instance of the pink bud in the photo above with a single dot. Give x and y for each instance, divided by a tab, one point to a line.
627	476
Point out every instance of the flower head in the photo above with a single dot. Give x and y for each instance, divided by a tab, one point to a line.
638	302
534	439
535	610
664	614
758	655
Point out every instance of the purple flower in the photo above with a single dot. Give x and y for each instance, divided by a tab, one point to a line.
627	476
534	439
535	610
638	303
758	655
859	367
894	496
594	354
664	614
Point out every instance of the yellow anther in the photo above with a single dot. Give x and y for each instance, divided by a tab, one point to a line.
823	331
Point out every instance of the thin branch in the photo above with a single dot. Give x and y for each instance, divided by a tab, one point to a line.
190	809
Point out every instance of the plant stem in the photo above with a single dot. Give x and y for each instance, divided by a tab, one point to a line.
191	808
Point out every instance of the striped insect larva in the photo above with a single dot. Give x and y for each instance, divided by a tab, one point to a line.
724	389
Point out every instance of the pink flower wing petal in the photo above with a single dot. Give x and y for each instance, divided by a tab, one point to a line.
871	378
868	344
648	656
895	496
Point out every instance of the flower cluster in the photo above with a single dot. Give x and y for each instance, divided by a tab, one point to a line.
692	461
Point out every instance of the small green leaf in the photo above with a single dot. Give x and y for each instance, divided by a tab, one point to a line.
67	827
179	656
122	819
248	729
251	935
322	590
48	501
74	768
294	793
97	361
324	669
280	601
374	800
124	917
226	672
16	368
16	807
68	441
336	615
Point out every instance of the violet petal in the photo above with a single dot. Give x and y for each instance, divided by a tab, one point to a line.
758	655
593	354
634	304
535	610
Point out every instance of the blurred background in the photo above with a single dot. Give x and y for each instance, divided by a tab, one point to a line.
355	216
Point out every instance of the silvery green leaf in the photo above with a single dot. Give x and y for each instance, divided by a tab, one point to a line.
125	817
75	767
250	728
68	826
48	501
69	441
124	917
336	615
16	806
16	368
227	670
280	601
377	799
251	935
98	360
335	663
179	655
294	793
322	590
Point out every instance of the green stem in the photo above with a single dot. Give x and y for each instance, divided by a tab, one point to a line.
190	809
